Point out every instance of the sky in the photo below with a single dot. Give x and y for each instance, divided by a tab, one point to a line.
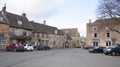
57	13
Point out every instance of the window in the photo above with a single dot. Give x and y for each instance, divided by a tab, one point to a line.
108	44
108	34
2	40
17	32
95	44
26	33
12	31
94	28
19	22
95	34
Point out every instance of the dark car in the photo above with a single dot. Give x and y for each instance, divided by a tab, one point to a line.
87	46
43	47
15	47
96	50
114	50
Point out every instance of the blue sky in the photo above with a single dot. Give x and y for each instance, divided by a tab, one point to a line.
58	13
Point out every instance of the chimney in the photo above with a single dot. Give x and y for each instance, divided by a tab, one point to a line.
44	22
4	8
24	14
89	20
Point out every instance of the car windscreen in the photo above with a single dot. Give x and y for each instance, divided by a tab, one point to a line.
29	44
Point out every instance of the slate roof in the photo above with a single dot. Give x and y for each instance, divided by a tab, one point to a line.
101	24
42	28
4	20
13	18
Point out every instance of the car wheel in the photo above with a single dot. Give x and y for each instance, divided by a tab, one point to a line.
7	49
119	54
106	53
95	51
113	53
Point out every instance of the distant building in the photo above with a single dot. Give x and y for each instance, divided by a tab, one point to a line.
72	37
44	34
100	34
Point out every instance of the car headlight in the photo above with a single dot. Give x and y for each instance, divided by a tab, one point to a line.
108	49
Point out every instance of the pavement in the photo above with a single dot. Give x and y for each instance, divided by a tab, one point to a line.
70	57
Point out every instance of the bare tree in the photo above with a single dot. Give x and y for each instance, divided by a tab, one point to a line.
109	9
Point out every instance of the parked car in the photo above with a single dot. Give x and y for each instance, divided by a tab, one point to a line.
29	47
43	47
15	47
96	50
114	50
78	46
87	46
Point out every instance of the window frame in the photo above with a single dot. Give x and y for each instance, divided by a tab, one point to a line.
108	34
18	32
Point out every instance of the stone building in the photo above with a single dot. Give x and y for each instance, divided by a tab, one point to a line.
14	28
44	34
103	32
18	29
71	37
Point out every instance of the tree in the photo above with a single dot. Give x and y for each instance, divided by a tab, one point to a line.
109	9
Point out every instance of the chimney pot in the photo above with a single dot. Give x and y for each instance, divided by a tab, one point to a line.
44	22
4	8
24	14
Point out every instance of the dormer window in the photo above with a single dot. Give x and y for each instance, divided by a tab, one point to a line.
19	22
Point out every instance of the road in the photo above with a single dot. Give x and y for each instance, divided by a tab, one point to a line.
58	58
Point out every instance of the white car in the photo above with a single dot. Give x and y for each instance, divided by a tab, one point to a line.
29	47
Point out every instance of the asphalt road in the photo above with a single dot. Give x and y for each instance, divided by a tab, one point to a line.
58	58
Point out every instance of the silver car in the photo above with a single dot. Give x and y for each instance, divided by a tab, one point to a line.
28	47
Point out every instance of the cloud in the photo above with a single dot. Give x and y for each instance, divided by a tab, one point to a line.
34	8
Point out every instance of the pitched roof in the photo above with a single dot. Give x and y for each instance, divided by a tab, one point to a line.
71	31
13	18
2	19
101	24
42	28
